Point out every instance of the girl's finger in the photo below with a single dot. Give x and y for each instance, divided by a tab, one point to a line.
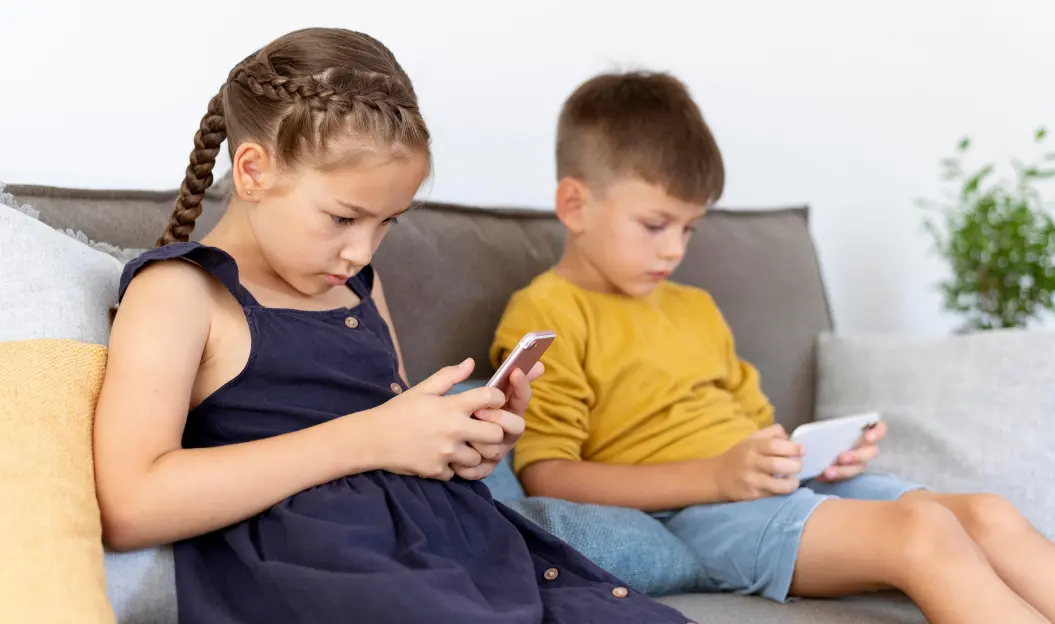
521	391
536	371
511	423
488	452
475	473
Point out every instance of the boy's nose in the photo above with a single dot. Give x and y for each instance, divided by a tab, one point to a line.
673	251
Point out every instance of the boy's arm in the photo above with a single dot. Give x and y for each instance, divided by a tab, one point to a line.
548	457
743	379
653	487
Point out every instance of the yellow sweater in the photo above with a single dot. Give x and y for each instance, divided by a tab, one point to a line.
631	381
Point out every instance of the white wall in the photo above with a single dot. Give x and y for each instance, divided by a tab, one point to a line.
845	105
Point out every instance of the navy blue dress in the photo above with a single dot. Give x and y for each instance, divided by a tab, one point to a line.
372	547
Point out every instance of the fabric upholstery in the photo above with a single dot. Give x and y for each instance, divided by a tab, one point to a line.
51	554
966	413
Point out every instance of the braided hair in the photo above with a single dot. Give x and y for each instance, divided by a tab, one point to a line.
302	95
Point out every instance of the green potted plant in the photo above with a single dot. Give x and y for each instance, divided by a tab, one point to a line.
997	237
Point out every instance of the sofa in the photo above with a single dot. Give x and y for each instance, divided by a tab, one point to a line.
956	405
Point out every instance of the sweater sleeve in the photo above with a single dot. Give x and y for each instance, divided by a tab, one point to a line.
557	417
742	379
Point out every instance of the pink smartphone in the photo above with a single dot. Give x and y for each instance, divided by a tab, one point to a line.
524	355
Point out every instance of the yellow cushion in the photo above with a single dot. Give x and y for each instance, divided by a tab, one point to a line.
51	552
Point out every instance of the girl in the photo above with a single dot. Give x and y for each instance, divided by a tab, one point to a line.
255	410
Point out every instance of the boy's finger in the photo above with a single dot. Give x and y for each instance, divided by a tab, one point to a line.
780	465
781	448
839	473
780	485
861	455
772	431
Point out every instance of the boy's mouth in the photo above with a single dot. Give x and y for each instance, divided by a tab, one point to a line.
658	275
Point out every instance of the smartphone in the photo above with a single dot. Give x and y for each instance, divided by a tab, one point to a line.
824	440
528	351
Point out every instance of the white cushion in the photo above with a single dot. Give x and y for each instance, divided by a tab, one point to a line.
51	285
966	413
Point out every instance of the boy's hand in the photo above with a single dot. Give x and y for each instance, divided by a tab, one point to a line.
760	466
853	463
510	418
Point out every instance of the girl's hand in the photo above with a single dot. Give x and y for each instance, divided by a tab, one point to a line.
853	463
510	418
423	432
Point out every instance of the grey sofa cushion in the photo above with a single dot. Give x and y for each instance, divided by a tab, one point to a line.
449	271
966	413
881	608
141	586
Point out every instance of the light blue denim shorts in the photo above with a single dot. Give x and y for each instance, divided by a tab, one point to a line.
751	547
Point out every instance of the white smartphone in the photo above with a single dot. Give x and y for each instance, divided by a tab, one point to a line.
824	440
524	355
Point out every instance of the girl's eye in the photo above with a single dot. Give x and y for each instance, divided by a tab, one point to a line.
342	220
392	220
654	227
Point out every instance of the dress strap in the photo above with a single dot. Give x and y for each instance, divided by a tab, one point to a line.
216	261
362	283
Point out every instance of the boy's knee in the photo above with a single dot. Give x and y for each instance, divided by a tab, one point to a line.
989	516
929	531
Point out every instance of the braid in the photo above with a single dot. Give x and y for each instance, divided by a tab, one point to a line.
207	141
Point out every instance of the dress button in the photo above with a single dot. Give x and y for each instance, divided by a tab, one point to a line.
551	574
620	592
351	322
396	388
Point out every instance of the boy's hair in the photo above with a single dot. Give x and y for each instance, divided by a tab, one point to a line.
640	124
300	96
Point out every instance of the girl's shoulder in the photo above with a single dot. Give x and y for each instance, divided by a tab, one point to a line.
197	264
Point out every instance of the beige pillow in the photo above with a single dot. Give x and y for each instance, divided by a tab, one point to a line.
51	552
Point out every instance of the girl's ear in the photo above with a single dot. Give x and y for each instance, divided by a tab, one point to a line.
572	196
252	171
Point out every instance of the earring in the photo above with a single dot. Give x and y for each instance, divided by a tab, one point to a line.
248	192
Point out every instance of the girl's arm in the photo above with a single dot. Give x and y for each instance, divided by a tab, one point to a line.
152	491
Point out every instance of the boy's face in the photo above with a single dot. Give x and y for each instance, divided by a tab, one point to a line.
633	235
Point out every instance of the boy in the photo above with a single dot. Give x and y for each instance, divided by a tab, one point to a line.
645	403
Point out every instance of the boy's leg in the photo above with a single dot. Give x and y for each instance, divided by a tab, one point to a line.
1019	553
811	545
917	546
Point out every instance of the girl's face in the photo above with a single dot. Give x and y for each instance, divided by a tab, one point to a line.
318	228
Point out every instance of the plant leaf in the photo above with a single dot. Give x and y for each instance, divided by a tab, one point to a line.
1040	134
965	143
971	185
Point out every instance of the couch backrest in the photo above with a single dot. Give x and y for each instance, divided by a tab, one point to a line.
449	270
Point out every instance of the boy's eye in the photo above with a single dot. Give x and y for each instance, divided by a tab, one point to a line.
392	220
342	220
654	227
